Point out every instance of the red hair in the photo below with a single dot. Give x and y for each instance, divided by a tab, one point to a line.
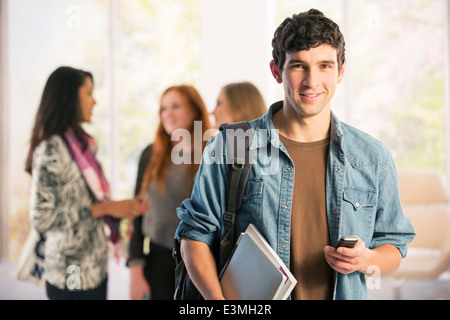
162	147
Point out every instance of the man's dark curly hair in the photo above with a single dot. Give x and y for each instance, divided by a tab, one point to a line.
304	31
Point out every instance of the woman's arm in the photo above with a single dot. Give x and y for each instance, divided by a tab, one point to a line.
128	209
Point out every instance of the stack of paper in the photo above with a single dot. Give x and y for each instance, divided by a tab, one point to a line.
254	271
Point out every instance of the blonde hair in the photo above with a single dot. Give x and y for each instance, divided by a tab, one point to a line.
245	101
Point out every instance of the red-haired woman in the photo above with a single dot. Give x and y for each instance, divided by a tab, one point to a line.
165	177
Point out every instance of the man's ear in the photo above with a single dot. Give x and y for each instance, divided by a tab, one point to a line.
276	72
342	72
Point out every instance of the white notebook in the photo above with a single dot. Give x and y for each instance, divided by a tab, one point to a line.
254	271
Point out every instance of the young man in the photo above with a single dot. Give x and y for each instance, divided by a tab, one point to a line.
325	180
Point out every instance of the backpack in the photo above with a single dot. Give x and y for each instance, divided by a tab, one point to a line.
236	181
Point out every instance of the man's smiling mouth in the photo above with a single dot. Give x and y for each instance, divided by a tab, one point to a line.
310	95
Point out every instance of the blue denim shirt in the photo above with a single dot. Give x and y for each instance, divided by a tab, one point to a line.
361	190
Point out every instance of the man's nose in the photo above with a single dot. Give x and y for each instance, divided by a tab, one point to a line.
311	79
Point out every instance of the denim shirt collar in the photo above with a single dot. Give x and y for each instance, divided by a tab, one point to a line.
270	133
264	130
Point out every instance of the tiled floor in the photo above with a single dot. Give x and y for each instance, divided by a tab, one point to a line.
11	289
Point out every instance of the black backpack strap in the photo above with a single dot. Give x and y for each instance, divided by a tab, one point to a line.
239	136
237	179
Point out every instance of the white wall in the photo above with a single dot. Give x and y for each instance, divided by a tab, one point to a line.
236	46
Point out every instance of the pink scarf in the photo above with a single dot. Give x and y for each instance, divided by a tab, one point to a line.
92	172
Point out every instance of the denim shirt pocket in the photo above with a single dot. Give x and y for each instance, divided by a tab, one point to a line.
253	200
359	206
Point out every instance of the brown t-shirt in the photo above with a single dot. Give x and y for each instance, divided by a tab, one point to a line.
309	227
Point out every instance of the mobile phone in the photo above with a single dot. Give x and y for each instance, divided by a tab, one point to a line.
347	241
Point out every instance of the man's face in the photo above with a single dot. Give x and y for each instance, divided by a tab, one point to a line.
309	79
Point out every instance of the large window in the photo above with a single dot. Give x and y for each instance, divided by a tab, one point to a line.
135	49
38	41
156	45
394	87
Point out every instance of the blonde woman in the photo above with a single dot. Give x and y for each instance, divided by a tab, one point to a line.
240	101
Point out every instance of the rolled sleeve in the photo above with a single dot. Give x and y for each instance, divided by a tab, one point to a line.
201	215
392	225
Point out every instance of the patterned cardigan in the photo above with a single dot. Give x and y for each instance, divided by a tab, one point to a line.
76	249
